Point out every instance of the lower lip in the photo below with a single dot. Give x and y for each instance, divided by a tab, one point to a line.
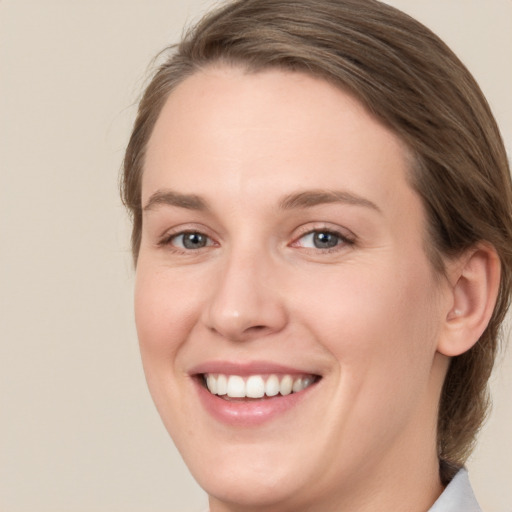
251	412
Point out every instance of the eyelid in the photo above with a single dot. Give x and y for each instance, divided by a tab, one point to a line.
312	227
347	238
165	240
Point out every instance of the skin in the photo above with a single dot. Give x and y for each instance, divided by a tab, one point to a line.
367	315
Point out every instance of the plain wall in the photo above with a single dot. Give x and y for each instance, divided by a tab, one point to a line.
78	430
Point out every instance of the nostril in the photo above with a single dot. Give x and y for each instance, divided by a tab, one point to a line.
256	329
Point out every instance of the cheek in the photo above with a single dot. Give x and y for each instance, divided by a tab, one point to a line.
381	330
379	323
164	314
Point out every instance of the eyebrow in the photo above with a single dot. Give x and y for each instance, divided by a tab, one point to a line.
172	198
310	198
298	200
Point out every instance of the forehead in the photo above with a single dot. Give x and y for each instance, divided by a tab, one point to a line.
229	126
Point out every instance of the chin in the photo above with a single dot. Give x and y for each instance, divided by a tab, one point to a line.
251	487
264	475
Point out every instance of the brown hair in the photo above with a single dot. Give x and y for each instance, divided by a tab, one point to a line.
410	80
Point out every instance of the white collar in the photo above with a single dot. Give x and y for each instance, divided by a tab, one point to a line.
458	496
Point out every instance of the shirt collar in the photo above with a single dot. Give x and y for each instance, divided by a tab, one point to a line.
457	496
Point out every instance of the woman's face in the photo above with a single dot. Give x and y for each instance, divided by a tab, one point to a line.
283	248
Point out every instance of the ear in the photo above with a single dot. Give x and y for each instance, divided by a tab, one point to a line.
475	279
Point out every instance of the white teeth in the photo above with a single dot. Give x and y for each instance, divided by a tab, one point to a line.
297	386
272	386
306	382
286	385
256	386
236	387
211	383
222	385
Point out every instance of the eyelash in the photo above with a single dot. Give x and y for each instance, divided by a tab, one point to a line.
343	240
167	241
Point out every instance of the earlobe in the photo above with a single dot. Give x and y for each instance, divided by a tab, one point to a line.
475	277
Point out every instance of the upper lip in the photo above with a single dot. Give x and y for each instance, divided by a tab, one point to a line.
243	368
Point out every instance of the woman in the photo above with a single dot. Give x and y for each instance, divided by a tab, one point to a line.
322	234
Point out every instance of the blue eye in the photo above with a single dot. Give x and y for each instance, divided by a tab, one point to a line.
321	240
190	240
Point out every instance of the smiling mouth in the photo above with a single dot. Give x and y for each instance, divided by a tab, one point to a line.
236	387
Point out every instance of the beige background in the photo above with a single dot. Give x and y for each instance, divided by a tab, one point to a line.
78	431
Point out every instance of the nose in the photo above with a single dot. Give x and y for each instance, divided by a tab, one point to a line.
246	300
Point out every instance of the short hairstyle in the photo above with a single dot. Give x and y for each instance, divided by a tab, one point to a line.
414	84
